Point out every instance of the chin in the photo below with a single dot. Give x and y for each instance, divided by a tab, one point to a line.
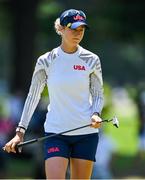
76	42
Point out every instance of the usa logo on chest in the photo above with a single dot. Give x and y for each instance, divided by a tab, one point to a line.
79	67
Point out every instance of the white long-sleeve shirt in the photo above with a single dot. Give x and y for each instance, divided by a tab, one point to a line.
75	89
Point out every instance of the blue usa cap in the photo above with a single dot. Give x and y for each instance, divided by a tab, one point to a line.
73	18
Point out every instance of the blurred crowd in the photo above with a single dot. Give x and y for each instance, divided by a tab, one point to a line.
11	106
140	101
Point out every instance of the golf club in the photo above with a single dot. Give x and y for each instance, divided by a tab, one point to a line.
114	120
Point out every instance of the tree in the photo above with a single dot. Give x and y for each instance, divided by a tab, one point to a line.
25	28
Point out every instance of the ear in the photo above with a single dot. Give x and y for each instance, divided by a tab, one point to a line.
61	29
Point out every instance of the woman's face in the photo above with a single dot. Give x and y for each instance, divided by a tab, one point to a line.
72	37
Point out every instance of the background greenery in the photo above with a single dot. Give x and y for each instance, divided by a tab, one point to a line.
116	35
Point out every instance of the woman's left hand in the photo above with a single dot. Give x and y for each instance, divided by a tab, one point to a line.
96	121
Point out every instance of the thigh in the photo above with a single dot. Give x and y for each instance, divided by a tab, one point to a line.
83	156
55	167
80	168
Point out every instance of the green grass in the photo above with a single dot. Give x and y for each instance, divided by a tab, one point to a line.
20	168
126	136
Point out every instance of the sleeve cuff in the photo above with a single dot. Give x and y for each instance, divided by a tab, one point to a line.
97	113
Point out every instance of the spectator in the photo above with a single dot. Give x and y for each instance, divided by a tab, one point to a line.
102	166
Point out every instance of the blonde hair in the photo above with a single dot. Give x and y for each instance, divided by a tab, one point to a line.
58	27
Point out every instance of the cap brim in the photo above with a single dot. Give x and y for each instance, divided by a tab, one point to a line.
77	24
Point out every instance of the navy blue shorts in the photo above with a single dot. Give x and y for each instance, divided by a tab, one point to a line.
76	146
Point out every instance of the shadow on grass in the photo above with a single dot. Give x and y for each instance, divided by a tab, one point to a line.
128	166
23	166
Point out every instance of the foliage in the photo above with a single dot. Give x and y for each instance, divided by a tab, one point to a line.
116	34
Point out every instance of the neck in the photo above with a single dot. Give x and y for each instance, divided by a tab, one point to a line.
68	49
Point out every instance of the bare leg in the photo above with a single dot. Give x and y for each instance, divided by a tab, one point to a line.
55	167
80	168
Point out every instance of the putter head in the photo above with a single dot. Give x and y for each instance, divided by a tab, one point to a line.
115	122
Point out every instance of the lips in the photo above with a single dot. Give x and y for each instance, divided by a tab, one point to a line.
76	39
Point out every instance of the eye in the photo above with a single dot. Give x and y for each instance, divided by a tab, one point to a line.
80	29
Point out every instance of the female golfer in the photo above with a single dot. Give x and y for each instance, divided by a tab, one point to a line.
74	79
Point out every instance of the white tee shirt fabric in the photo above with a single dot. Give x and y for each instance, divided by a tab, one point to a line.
75	89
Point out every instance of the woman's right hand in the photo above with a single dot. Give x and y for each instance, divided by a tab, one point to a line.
11	145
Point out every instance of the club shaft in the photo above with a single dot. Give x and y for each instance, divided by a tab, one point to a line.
53	135
45	137
27	142
107	120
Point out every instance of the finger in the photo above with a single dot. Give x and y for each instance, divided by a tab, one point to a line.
94	121
13	148
19	149
3	148
7	148
96	124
